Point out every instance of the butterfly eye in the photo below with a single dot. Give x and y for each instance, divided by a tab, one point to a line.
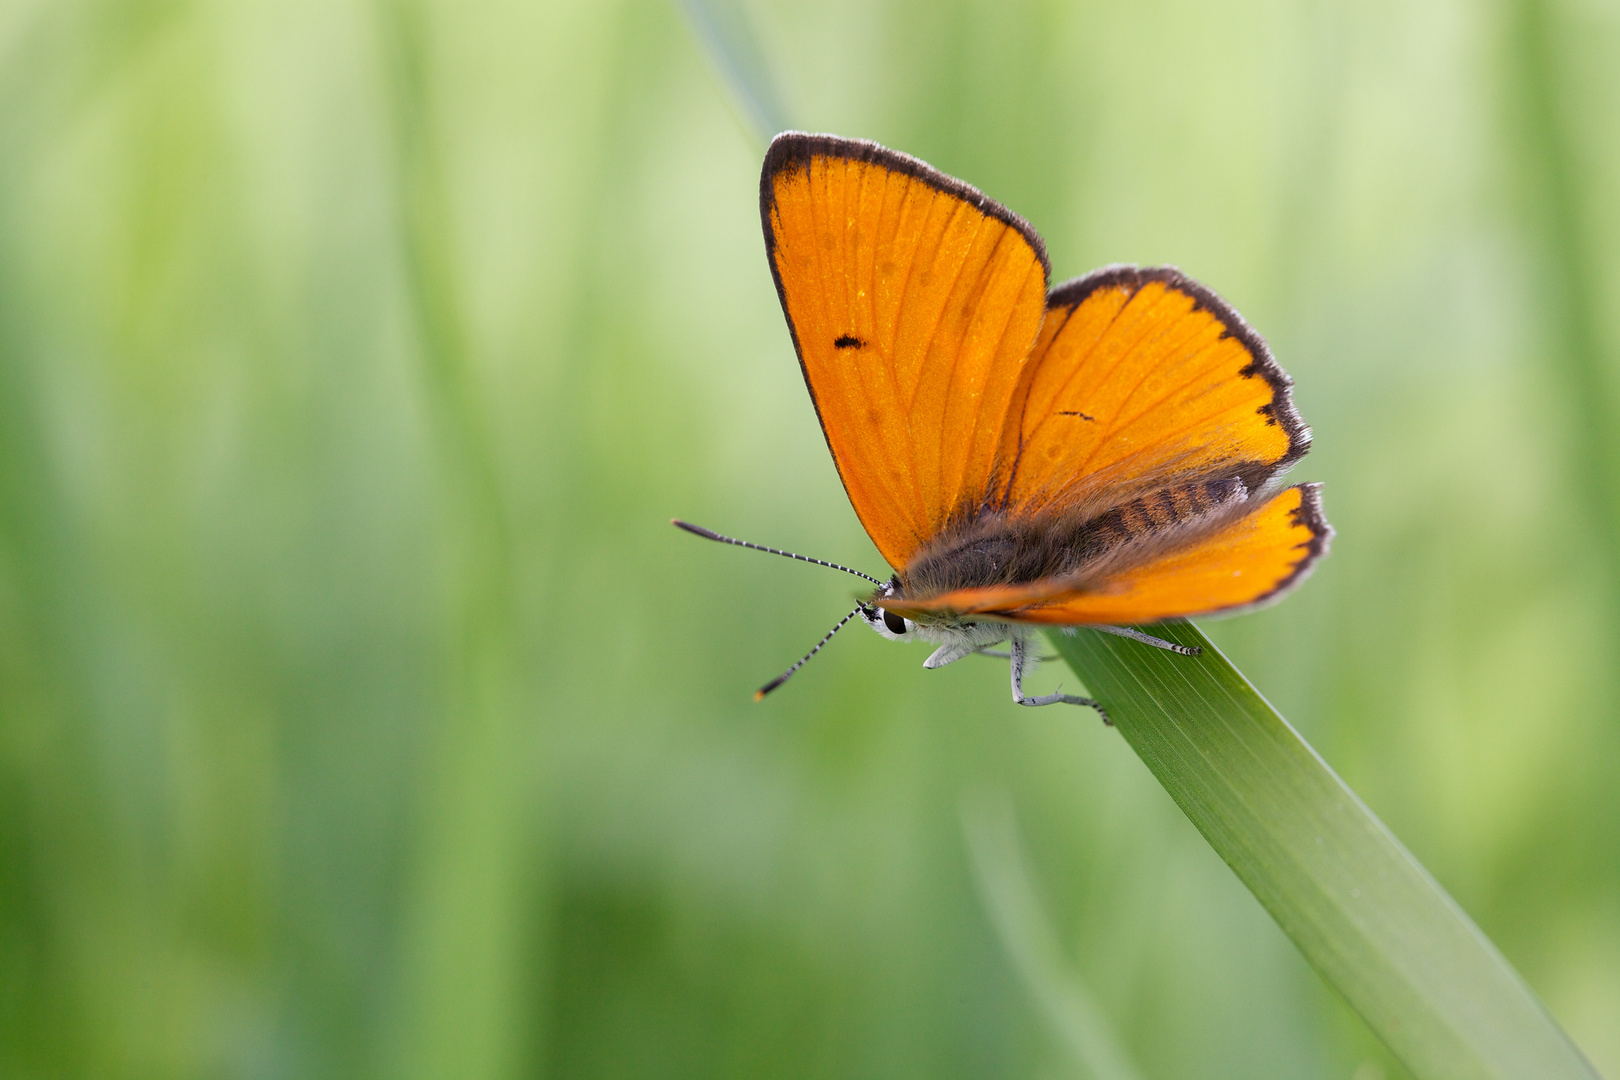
895	623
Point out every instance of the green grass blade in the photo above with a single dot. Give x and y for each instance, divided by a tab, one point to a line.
1359	906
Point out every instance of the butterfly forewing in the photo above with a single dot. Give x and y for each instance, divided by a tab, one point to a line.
914	301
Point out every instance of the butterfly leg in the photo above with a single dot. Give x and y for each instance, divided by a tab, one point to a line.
1148	639
999	655
1019	662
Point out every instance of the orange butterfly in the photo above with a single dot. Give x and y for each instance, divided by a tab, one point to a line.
1100	454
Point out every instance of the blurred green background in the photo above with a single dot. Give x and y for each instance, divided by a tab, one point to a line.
363	715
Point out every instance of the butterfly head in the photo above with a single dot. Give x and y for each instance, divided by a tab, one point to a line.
955	637
885	622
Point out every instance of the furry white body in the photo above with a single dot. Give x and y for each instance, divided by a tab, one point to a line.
959	639
955	640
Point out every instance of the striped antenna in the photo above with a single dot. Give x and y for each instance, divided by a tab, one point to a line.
759	695
708	534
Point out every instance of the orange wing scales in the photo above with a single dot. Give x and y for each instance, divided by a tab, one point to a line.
1253	560
914	301
957	396
1168	379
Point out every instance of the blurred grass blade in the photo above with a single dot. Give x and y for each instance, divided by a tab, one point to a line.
727	34
1359	906
1578	363
996	854
463	904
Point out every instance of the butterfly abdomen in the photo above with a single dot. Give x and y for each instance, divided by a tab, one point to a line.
1162	510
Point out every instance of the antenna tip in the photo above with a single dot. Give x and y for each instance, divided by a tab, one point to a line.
759	695
695	529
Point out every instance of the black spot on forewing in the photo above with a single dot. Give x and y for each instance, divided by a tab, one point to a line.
1081	415
848	342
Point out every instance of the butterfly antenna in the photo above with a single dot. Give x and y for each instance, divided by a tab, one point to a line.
707	534
759	695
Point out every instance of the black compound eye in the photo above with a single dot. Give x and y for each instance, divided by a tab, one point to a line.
895	623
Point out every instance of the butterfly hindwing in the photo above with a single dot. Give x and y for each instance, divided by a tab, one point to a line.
1252	560
913	301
